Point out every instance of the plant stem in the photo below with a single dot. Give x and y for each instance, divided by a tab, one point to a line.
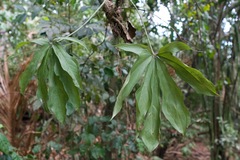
145	30
87	20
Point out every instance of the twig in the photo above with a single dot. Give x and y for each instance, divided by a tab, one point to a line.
84	63
87	20
145	30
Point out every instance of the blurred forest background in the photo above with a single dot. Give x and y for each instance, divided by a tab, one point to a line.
210	27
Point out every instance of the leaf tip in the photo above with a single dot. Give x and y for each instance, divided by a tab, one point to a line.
113	115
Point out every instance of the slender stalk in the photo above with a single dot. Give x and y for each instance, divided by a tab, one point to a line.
145	30
87	20
70	28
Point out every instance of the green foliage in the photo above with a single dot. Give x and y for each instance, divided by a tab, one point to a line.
151	115
67	64
229	137
157	94
172	101
32	68
190	75
58	85
72	40
173	47
157	83
60	88
100	138
7	149
131	80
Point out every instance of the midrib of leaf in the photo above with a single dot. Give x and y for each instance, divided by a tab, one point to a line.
155	90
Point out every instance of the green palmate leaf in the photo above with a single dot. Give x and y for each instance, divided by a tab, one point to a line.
71	90
57	96
58	99
68	64
73	40
172	100
190	75
32	67
131	80
42	91
150	132
151	128
41	41
173	48
135	48
143	97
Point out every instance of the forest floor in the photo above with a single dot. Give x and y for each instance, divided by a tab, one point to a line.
184	151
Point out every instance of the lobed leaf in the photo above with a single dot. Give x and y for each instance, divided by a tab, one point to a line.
67	64
138	49
172	100
57	96
143	96
41	41
131	80
42	91
73	40
58	99
71	90
32	67
150	132
151	129
190	75
173	48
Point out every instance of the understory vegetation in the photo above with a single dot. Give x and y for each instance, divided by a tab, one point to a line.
119	79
